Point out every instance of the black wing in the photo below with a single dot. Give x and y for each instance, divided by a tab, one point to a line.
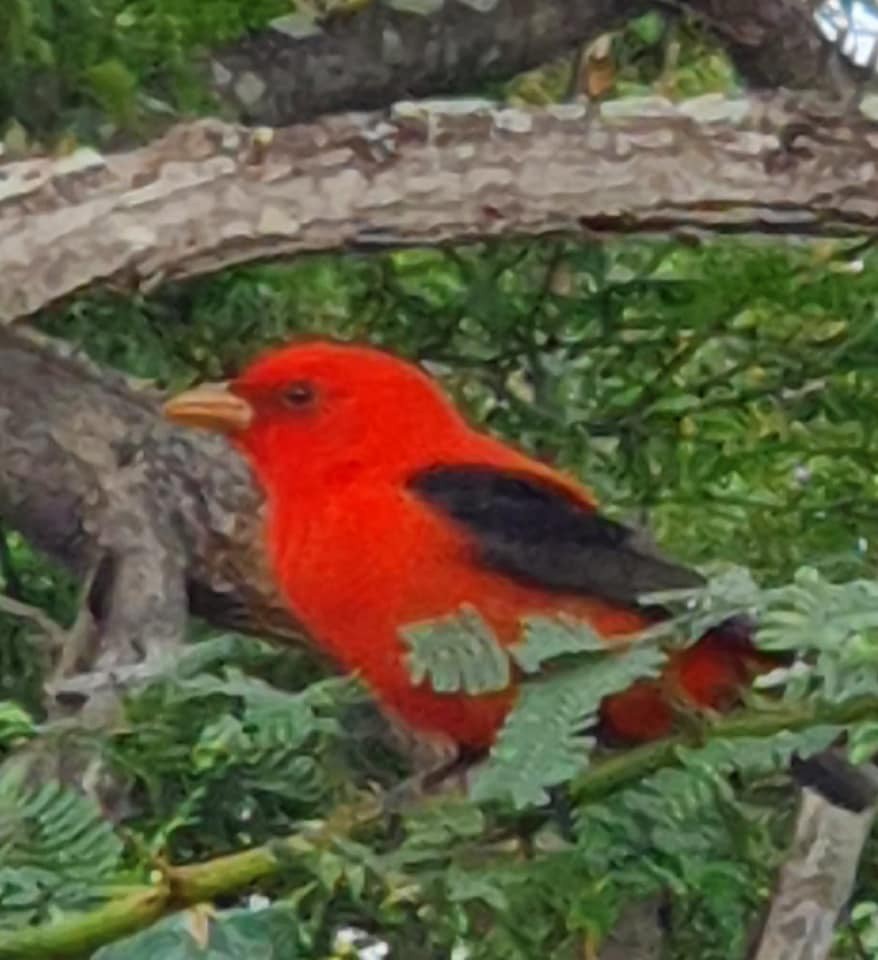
534	531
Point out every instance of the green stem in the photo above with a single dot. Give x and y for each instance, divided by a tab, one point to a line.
182	887
237	871
618	771
81	933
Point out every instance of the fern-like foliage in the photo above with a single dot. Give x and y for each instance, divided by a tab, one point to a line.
831	628
232	751
543	741
546	638
714	824
268	740
16	724
458	652
56	849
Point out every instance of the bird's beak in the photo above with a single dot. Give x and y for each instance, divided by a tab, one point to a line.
212	406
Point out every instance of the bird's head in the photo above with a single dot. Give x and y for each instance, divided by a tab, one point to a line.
316	409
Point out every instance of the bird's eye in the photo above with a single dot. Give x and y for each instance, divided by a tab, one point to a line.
299	394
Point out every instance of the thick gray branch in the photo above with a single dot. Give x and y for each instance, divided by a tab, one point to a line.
775	43
382	54
152	516
417	48
836	810
209	194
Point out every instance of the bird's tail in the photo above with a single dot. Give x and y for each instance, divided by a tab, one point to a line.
709	675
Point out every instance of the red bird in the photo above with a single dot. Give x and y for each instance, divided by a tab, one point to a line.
386	508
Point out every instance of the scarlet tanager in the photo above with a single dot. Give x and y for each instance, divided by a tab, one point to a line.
387	508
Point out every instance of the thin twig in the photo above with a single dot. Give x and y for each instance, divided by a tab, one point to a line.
53	632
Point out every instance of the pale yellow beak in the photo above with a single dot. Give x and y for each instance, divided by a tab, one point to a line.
212	406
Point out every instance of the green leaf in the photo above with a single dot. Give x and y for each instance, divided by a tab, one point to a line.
54	846
440	823
466	885
542	742
15	724
115	88
759	755
648	28
269	934
548	637
458	652
813	613
863	742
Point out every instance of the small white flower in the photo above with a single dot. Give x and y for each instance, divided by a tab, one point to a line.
375	951
347	937
353	942
781	675
257	902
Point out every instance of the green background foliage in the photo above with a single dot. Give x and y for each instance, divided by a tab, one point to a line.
725	394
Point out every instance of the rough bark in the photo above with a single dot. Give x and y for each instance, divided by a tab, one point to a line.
775	43
151	517
817	878
423	48
210	194
415	48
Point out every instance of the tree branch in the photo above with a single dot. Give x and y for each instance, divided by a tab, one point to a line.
383	53
775	43
209	195
156	518
367	60
818	876
54	634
